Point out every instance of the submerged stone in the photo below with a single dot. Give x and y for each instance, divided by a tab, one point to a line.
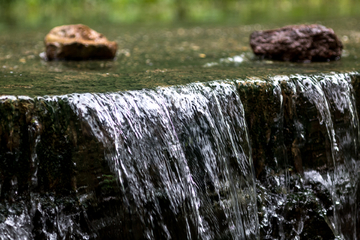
297	43
78	42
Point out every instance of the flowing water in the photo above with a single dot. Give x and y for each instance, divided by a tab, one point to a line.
179	153
149	146
322	112
198	161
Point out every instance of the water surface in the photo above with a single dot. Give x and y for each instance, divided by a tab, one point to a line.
150	56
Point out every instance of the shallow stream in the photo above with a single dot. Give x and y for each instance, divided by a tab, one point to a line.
151	56
185	135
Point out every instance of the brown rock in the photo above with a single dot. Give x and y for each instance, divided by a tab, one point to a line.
298	43
78	42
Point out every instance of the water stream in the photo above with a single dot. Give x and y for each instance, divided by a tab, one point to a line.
257	158
179	153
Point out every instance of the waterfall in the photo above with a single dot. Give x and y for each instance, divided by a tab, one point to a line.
339	94
336	114
256	158
179	153
308	158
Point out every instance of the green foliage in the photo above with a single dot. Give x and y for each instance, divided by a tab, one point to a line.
33	13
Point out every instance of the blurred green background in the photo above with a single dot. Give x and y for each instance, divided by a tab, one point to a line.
49	13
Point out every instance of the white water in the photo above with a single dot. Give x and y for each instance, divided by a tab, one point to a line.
187	146
183	160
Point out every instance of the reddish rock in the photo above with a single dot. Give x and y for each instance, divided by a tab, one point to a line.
298	43
78	42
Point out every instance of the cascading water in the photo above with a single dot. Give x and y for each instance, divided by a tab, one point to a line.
269	158
312	159
339	94
334	102
182	158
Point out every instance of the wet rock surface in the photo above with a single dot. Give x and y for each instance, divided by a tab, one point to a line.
297	43
57	184
78	42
